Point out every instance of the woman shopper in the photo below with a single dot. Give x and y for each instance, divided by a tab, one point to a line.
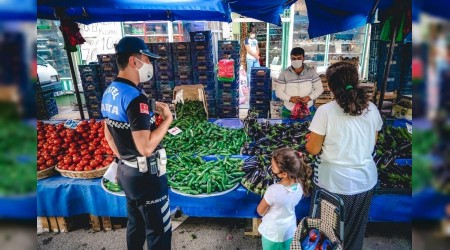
292	179
344	133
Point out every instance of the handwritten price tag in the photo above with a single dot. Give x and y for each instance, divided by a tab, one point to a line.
71	124
409	128
175	131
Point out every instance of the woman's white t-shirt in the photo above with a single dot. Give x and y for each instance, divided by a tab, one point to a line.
279	223
347	166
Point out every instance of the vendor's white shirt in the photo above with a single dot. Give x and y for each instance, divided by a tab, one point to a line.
279	223
347	166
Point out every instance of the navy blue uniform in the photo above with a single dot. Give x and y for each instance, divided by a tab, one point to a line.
127	109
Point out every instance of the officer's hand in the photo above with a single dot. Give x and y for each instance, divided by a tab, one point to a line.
164	110
305	99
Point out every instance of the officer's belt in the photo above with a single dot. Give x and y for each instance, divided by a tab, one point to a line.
132	164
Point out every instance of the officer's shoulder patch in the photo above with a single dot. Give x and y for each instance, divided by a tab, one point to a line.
144	108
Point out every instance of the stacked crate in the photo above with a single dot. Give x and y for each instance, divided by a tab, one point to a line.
325	97
108	69
203	67
260	91
45	102
182	63
228	94
164	75
92	88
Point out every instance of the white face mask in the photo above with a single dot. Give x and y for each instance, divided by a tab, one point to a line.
252	36
145	72
296	64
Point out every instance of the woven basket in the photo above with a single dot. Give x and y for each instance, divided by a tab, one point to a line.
46	173
97	173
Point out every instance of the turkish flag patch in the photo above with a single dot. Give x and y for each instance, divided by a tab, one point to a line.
144	108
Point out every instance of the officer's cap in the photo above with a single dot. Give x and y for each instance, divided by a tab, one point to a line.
132	44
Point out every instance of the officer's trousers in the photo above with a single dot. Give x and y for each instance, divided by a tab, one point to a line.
148	209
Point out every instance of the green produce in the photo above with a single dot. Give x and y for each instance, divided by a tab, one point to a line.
191	110
193	175
204	138
395	176
17	158
112	186
392	143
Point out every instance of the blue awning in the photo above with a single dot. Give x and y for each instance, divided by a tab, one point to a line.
332	16
91	11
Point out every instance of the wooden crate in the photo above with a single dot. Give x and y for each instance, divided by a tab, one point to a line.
56	224
105	223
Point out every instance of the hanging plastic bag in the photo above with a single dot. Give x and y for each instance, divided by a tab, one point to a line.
300	111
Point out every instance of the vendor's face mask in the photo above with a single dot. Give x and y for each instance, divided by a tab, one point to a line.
145	72
296	64
252	36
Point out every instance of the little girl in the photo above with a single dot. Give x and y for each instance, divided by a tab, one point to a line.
279	222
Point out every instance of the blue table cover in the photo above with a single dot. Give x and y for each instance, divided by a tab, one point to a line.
61	196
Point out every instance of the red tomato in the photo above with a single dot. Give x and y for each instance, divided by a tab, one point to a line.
84	162
76	159
71	168
88	168
60	158
84	146
79	168
50	163
67	160
93	163
42	168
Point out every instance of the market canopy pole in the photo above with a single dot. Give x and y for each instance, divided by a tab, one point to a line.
396	21
71	65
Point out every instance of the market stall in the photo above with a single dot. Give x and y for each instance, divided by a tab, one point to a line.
59	196
64	197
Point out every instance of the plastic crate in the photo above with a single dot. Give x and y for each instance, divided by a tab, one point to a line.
165	85
211	92
202	46
92	96
264	83
203	66
181	46
49	101
375	31
161	48
228	44
95	114
260	72
261	92
92	69
179	82
204	75
94	106
106	58
259	101
181	68
262	111
89	78
228	85
227	109
51	87
392	83
375	49
202	57
164	76
91	87
228	100
182	57
163	66
108	67
200	36
226	92
227	55
108	79
164	59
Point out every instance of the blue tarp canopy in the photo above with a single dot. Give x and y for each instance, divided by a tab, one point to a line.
332	16
88	11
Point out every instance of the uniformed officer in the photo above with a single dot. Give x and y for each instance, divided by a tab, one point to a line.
132	135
